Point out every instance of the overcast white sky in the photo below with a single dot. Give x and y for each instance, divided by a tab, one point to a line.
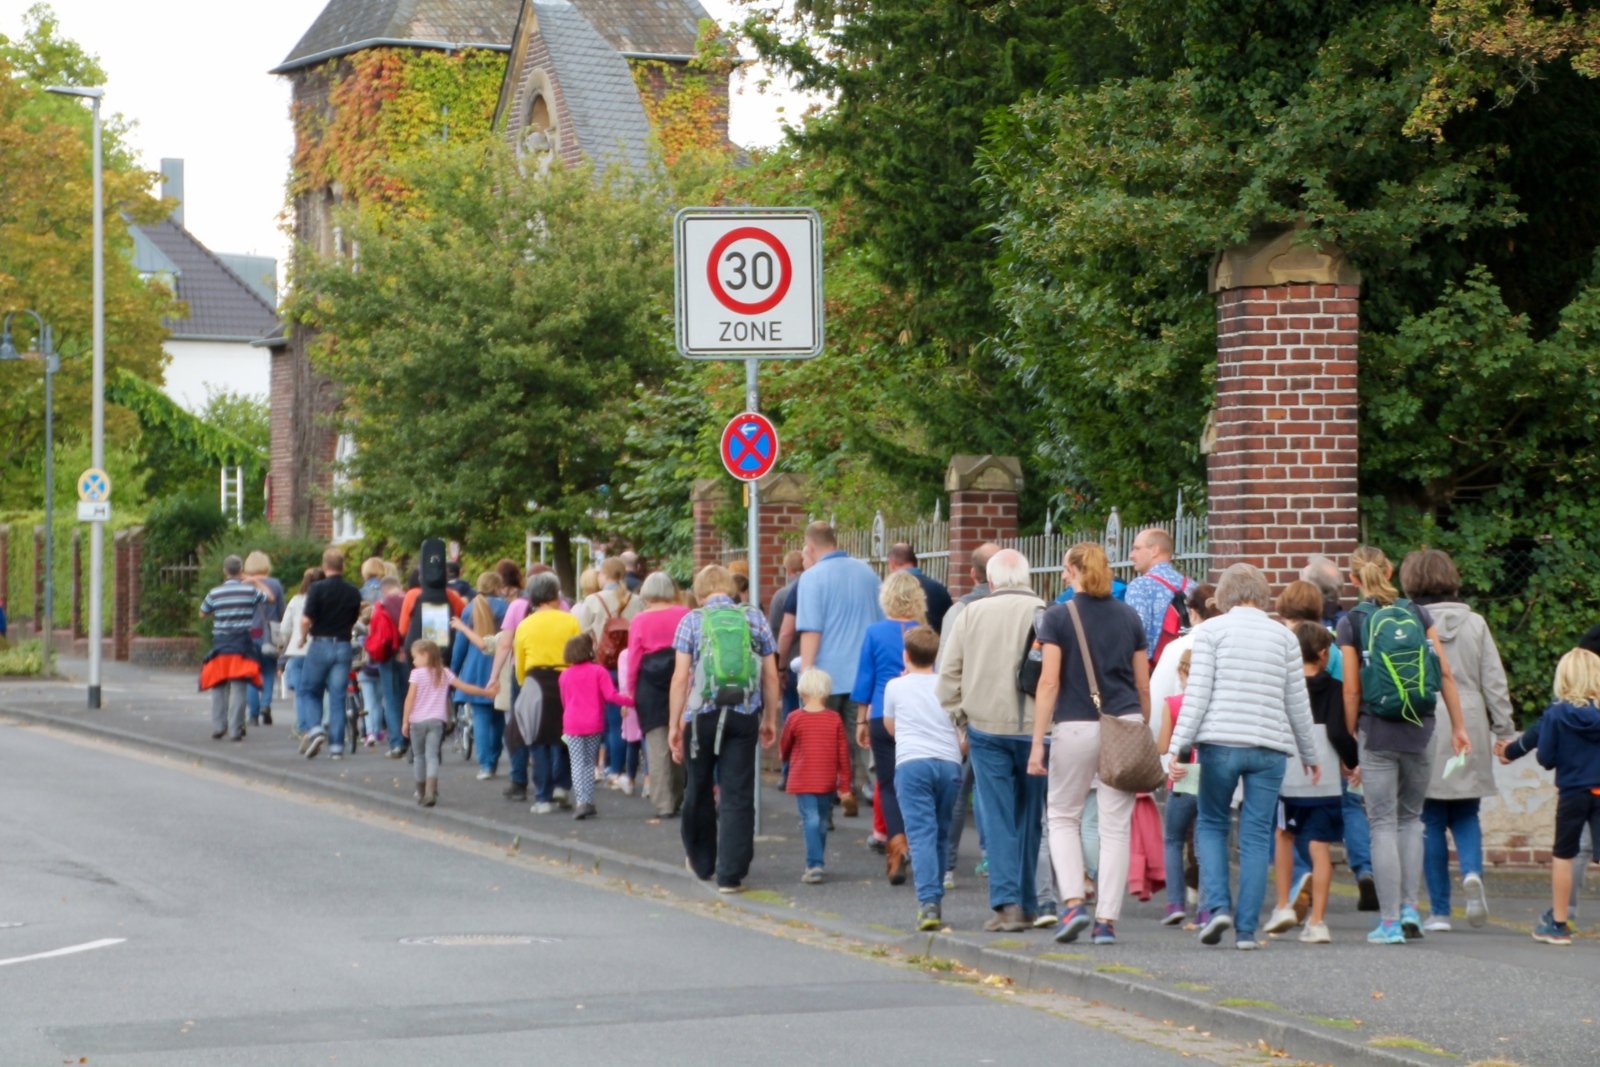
193	75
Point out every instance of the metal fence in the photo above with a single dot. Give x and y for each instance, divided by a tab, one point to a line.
1191	554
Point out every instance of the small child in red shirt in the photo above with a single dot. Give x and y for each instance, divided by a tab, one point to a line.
814	748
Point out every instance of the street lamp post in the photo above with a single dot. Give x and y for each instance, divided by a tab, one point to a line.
97	530
8	351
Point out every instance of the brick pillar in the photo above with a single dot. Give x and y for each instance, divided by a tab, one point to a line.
983	507
709	494
784	500
135	577
78	629
38	579
1282	471
121	616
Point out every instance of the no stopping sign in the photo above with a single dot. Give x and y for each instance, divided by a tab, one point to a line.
749	282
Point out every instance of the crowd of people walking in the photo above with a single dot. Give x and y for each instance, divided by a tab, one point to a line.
1272	726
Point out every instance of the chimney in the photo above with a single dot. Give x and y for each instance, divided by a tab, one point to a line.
172	186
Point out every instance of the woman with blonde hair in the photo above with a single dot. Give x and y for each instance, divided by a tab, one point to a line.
1396	752
1072	694
263	632
883	660
472	660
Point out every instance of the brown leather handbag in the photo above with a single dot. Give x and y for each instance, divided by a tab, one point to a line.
1128	757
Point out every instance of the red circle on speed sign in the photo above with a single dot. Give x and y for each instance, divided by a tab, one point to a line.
779	290
749	446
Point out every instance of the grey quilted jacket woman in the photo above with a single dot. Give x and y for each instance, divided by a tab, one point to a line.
1246	687
1485	702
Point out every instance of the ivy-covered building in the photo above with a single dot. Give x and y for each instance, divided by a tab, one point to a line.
374	80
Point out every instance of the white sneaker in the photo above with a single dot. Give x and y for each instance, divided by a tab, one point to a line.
562	797
1436	924
544	807
812	876
949	880
1315	934
1282	919
484	776
1477	903
626	786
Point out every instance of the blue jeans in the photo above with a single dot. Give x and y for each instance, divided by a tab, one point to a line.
927	790
489	735
1357	838
371	699
616	747
291	677
259	698
1222	769
326	670
552	770
814	811
958	817
393	679
1460	818
1010	805
1179	817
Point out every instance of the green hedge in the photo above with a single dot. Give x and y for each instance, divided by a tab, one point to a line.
19	597
175	530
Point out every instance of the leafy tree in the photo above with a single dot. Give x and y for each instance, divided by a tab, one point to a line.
46	236
488	340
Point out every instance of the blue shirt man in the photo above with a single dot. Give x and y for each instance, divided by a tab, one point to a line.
1151	593
835	601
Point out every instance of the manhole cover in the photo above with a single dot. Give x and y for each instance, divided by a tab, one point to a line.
477	940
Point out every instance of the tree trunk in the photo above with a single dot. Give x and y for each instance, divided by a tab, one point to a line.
561	547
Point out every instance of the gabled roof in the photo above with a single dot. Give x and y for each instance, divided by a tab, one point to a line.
597	87
222	306
641	28
347	26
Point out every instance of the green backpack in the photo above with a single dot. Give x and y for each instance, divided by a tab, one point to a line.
726	656
1399	668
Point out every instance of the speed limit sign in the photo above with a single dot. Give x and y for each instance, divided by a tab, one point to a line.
749	283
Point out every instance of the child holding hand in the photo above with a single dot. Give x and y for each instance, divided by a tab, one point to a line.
814	748
426	711
586	689
1567	740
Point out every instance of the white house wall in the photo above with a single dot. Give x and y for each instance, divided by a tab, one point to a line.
197	369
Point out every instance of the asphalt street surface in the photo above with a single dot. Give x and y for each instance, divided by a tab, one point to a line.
153	912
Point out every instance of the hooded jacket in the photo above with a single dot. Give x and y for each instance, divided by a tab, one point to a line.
1567	738
1485	702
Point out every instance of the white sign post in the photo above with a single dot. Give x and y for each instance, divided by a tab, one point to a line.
749	286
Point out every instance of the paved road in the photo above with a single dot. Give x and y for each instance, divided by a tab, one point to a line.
259	928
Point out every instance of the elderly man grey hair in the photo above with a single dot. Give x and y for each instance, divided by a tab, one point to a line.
1008	569
659	588
1324	573
233	566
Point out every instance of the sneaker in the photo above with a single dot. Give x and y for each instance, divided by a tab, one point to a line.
982	869
949	880
1315	934
238	736
309	736
336	756
516	791
1281	921
729	890
585	811
396	753
266	716
1387	933
928	917
1477	903
813	876
1104	933
484	776
313	744
220	734
562	797
1007	919
1074	921
1247	944
544	807
371	741
1369	892
1046	917
626	787
1299	899
1436	924
1410	923
1215	927
1551	932
1174	916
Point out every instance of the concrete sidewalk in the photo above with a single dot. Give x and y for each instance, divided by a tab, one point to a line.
1486	994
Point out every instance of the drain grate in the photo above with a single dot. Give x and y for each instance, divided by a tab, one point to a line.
478	940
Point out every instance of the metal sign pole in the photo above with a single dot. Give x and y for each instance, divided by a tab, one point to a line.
753	541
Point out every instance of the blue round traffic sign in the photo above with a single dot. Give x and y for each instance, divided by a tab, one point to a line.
749	446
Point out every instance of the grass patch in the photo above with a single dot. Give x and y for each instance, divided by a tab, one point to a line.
765	896
22	659
882	929
1410	1044
1122	968
1246	1002
1063	956
1192	987
933	963
1008	942
1337	1024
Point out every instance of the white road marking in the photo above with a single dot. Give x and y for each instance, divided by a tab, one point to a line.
87	946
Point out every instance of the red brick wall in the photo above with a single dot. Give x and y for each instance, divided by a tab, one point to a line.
779	522
976	516
707	541
1282	478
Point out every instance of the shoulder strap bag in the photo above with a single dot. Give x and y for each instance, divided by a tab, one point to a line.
1128	757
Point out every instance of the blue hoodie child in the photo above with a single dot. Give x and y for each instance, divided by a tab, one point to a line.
1567	739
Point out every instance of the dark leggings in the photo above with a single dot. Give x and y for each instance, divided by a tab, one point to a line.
883	764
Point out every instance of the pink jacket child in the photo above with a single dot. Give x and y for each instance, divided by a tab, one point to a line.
586	689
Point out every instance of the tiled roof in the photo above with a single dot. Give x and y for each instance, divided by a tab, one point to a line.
646	27
221	305
345	25
597	85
